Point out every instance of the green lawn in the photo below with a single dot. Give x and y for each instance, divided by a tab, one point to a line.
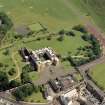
67	65
35	27
98	74
36	97
34	75
69	44
78	77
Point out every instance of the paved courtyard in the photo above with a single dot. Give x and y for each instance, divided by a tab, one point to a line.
51	72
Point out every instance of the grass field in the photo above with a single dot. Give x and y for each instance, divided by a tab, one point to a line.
69	44
8	63
53	14
35	27
98	74
34	75
93	9
96	9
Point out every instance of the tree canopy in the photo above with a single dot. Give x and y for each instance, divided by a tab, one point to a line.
4	81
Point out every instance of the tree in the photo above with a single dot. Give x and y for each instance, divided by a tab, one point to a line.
27	68
49	37
70	33
80	28
12	71
6	52
36	89
61	38
1	64
6	23
61	32
38	39
28	89
86	37
14	84
95	46
25	78
18	94
4	81
24	91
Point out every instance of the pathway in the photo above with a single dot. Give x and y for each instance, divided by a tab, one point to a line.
17	66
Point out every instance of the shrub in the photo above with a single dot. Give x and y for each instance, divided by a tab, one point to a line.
14	84
70	33
6	24
26	68
38	39
61	32
25	78
49	37
4	81
24	91
6	52
61	38
80	28
12	71
1	65
86	37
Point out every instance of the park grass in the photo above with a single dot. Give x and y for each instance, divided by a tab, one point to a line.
36	98
35	27
66	65
69	44
78	77
34	76
98	75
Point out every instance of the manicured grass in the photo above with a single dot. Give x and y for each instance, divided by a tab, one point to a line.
69	44
34	75
35	27
36	97
78	77
98	75
67	65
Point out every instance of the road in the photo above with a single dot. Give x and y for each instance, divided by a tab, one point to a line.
83	71
92	64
